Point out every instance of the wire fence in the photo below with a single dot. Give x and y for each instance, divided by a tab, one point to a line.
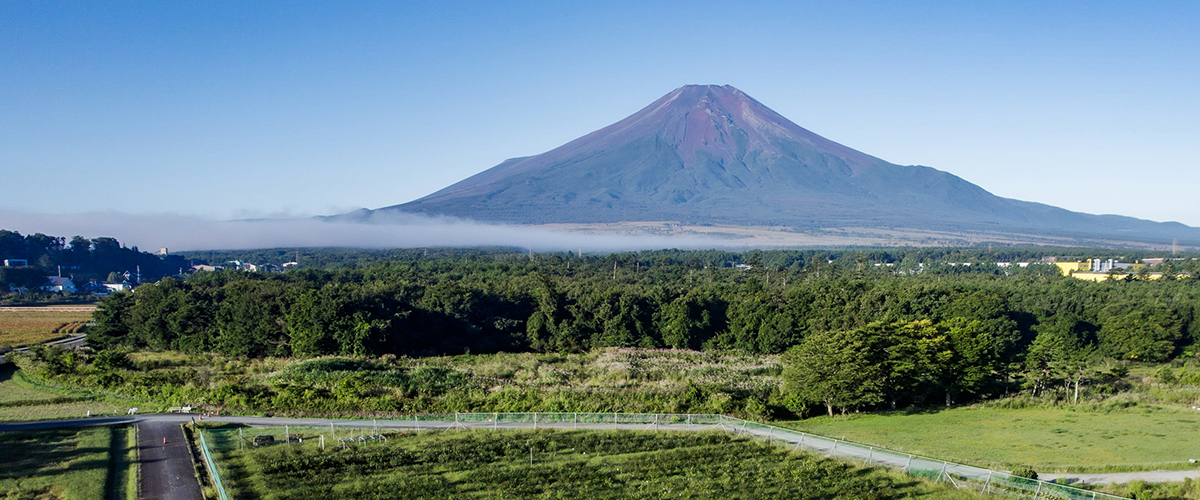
961	476
212	467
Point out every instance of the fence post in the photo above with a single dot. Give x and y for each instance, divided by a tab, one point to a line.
332	433
1039	490
418	422
944	465
834	449
987	487
869	455
535	420
287	436
905	469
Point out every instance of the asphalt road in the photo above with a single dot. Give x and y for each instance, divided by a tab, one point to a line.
1150	476
166	462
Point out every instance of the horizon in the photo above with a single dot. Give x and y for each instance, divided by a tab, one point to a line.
233	112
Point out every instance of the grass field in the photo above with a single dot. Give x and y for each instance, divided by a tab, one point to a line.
14	390
1089	439
548	464
23	400
69	464
31	325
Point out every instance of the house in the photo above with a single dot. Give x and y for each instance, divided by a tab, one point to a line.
59	284
16	263
117	287
202	267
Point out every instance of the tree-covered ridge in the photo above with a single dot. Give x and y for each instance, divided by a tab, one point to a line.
81	258
930	336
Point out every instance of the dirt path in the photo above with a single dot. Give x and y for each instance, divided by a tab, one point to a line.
167	472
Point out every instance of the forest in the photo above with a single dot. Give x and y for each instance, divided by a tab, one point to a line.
900	335
80	258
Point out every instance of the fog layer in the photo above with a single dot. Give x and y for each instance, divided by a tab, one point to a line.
178	233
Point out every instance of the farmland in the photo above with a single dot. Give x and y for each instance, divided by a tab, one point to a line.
31	325
547	464
70	464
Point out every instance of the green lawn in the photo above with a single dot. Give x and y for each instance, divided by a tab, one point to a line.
70	464
1047	439
548	464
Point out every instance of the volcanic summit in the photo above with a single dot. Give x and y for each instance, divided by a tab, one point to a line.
709	154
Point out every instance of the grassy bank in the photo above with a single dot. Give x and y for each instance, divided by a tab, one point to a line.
70	464
1087	438
22	399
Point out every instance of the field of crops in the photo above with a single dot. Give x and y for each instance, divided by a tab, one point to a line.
545	464
30	325
84	464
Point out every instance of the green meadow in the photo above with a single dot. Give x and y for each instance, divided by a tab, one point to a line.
1088	438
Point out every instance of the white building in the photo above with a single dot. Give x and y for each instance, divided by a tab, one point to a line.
59	284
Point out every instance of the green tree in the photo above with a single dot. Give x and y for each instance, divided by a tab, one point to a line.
835	369
1142	332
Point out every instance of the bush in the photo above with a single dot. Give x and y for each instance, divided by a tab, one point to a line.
1026	472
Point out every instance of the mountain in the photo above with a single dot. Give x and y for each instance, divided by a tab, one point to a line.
707	154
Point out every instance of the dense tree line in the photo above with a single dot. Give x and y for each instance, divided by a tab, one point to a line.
81	258
901	338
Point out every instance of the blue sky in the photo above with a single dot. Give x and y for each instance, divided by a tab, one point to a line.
246	109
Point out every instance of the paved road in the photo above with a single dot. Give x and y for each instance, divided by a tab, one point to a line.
1153	476
167	472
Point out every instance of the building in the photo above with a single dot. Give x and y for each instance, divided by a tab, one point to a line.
117	287
59	284
16	263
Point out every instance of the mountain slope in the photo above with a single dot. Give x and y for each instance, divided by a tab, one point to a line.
712	154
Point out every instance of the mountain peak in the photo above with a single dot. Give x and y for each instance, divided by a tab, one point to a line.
713	154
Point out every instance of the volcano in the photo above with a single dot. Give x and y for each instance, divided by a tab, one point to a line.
708	154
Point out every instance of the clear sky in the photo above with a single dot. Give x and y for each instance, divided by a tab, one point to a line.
247	109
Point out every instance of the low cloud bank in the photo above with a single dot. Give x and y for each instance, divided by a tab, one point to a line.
178	233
